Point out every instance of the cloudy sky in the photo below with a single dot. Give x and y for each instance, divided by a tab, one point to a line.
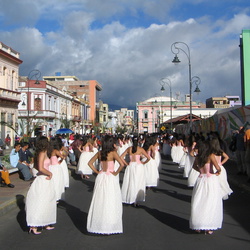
126	44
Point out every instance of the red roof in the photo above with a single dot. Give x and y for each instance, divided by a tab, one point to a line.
183	119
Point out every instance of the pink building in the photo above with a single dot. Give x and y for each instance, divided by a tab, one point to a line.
153	112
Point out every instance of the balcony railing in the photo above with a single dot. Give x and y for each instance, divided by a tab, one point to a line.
38	114
9	94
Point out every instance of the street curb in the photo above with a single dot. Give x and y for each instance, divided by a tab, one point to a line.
18	200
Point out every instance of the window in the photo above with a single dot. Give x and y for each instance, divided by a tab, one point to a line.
38	103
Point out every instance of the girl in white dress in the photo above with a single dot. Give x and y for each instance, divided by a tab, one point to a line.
134	181
206	203
41	198
179	152
105	212
219	155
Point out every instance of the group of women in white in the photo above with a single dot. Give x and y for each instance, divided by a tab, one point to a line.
105	212
142	163
202	164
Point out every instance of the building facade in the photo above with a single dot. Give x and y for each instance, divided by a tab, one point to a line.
102	115
155	111
125	119
223	102
9	95
87	90
46	108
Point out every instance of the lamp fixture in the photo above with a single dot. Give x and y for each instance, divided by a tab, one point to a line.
176	59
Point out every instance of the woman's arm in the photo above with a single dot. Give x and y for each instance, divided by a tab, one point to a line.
91	162
152	151
124	153
58	154
195	165
65	150
120	161
225	158
143	152
215	163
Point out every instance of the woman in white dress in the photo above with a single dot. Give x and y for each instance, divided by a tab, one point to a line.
134	181
151	168
64	151
206	203
41	197
190	145
55	167
86	150
120	148
105	212
94	142
157	152
173	145
219	155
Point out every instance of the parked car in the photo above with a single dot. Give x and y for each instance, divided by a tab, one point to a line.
2	146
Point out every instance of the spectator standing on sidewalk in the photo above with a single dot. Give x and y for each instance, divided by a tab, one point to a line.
16	163
240	151
247	156
7	141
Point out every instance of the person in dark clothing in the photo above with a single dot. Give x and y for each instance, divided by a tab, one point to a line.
77	142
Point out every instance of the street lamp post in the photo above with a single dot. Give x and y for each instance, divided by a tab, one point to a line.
175	50
168	82
33	73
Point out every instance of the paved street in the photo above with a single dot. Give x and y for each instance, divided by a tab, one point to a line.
162	222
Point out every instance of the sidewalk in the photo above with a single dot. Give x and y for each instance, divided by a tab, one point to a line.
9	197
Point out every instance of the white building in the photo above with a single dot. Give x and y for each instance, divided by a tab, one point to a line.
9	96
157	110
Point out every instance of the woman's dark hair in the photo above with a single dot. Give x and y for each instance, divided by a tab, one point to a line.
203	153
215	147
55	143
42	144
135	144
153	139
120	138
107	146
148	143
190	140
84	140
